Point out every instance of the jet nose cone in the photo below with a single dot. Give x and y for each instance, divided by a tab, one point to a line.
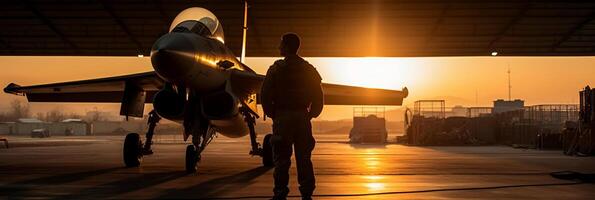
172	56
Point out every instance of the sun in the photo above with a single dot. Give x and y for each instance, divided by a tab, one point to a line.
373	72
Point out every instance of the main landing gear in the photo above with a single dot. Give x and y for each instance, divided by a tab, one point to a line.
266	150
202	134
134	150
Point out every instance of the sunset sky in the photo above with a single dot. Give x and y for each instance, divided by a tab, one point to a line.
467	81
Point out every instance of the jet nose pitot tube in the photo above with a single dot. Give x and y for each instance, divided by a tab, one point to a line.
172	56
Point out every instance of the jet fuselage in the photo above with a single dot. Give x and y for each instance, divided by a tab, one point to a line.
193	61
199	67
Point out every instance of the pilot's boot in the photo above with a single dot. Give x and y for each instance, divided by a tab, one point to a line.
304	144
282	158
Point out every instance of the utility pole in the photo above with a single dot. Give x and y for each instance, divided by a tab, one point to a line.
509	85
476	99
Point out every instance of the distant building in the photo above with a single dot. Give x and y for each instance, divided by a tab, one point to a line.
24	126
501	105
7	128
29	120
458	111
118	127
70	127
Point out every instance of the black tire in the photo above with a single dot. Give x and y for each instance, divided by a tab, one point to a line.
132	150
267	151
192	159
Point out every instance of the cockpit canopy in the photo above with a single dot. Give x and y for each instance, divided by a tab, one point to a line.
200	21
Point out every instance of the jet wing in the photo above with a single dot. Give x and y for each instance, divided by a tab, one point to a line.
111	90
350	95
334	94
103	90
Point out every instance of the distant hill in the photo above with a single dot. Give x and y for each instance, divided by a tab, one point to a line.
338	131
453	101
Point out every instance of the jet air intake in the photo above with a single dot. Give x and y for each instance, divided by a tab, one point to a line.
221	108
219	105
169	104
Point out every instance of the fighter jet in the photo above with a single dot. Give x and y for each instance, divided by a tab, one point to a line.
198	82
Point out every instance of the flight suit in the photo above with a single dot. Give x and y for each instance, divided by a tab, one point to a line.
292	95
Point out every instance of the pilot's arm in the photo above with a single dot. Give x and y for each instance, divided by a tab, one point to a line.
267	92
317	95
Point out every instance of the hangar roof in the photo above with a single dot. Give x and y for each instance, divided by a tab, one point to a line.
334	28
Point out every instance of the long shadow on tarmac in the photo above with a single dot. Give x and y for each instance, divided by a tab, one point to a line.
115	188
217	186
66	178
22	188
42	187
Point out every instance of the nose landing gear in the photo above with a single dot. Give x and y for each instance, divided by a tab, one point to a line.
202	134
266	150
192	158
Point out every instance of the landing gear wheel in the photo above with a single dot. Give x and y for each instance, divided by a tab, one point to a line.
192	158
132	150
267	151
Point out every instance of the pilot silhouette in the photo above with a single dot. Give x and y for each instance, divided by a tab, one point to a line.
292	95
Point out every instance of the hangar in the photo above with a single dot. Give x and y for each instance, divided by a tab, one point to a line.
346	28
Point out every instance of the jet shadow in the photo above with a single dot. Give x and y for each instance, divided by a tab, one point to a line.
112	189
217	186
21	188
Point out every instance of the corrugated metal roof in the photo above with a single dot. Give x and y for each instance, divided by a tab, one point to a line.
72	120
29	120
334	28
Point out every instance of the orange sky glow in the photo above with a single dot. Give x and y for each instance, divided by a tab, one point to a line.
467	81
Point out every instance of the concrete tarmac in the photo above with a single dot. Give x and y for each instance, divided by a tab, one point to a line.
91	168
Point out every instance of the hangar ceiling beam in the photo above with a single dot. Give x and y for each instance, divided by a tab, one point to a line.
46	21
109	9
257	35
329	22
509	26
438	22
164	17
573	31
415	28
4	44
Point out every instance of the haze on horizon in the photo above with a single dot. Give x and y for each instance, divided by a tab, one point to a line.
467	81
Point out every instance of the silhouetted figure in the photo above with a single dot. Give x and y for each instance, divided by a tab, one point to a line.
292	95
